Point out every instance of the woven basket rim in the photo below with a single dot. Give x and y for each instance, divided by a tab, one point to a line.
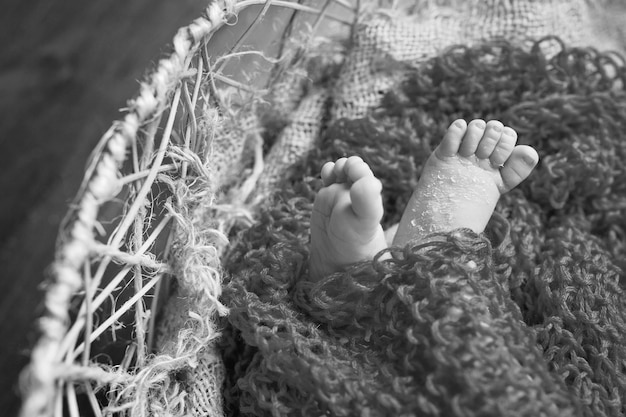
39	381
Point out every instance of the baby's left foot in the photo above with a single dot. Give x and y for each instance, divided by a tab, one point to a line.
345	223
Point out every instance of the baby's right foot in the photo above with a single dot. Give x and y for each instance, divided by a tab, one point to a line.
463	179
345	223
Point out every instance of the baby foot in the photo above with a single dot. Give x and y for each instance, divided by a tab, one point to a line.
463	179
345	223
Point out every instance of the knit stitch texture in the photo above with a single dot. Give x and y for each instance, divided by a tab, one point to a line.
528	319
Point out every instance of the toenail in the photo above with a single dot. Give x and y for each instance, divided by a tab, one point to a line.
496	128
480	123
459	123
529	159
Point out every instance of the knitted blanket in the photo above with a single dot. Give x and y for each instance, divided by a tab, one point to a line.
527	319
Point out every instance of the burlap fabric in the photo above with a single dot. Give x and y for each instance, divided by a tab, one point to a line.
410	35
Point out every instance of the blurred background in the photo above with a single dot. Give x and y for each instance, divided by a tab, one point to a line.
66	68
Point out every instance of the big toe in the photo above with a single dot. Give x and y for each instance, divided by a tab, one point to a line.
366	198
518	166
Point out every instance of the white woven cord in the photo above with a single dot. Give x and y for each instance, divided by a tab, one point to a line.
99	186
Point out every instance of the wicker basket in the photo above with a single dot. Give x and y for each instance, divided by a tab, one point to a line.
164	184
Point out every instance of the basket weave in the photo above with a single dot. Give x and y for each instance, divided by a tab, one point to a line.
135	294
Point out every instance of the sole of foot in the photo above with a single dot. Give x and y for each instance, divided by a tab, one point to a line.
345	223
463	179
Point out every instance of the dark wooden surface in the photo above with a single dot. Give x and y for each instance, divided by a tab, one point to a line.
66	67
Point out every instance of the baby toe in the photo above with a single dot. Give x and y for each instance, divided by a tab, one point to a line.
505	146
328	177
366	198
490	139
451	142
475	131
356	169
339	170
518	167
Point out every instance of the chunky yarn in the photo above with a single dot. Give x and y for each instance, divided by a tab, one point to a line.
526	320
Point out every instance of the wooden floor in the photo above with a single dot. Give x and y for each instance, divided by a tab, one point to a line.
66	67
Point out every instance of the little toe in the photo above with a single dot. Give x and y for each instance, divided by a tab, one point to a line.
475	131
327	174
518	167
505	146
339	171
366	198
451	141
490	139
